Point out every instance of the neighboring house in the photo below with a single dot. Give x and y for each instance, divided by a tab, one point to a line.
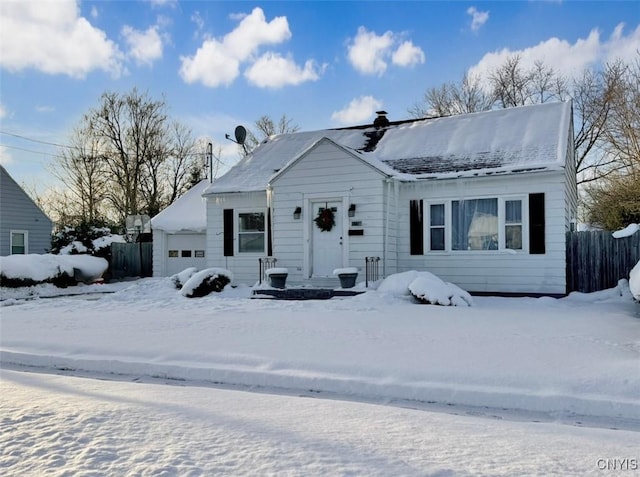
179	234
24	228
482	200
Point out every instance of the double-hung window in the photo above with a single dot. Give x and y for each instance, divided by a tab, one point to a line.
513	224
19	242
251	232
436	227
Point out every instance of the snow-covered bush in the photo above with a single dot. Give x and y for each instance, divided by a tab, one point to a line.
426	288
60	270
206	281
179	279
84	238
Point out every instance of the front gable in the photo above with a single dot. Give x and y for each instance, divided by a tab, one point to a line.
324	156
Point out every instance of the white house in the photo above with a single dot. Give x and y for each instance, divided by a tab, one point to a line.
179	234
483	200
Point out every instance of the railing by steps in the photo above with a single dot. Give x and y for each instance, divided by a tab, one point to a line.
265	264
372	269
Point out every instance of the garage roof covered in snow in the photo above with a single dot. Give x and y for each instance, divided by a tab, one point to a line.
187	213
526	138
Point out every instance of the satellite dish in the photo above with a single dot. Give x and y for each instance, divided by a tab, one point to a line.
241	134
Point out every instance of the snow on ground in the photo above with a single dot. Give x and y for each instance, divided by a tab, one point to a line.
560	361
574	356
60	425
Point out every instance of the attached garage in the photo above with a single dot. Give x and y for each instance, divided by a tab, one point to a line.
179	234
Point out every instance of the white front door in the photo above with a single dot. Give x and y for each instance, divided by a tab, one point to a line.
326	248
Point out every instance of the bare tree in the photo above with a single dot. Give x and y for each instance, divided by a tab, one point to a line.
266	127
133	133
449	99
81	170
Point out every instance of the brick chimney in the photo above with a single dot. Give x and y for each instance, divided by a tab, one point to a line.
381	121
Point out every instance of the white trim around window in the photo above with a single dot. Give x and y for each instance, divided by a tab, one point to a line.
518	220
250	228
19	242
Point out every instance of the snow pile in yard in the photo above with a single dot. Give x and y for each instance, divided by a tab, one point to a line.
206	281
426	288
634	281
179	279
42	268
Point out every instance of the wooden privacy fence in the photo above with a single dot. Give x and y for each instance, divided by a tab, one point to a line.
131	260
596	260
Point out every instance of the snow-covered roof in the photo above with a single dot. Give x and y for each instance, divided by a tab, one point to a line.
187	213
521	139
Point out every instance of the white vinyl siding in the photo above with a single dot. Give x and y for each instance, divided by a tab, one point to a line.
503	270
244	266
329	173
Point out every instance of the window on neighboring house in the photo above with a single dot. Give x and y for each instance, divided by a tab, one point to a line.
173	253
513	224
436	227
19	242
185	253
251	232
474	224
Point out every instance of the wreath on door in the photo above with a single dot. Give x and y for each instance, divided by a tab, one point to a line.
325	219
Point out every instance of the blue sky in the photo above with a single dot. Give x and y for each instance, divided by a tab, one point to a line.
221	64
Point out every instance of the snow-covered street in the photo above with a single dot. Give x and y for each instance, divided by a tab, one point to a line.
55	425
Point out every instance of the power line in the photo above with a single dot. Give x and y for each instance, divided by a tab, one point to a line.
35	140
77	148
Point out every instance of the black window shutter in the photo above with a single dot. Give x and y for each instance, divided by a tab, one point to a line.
269	237
227	232
416	230
536	224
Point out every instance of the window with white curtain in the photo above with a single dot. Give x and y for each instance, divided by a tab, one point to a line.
474	224
513	224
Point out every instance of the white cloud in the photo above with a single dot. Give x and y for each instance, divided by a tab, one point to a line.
478	18
3	111
566	58
45	109
163	3
94	12
369	53
217	62
51	37
408	54
212	65
619	46
197	19
272	70
144	46
357	111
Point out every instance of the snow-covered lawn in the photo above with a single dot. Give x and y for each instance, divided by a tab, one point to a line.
573	361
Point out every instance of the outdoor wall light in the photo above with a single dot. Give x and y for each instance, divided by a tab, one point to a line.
297	213
352	210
